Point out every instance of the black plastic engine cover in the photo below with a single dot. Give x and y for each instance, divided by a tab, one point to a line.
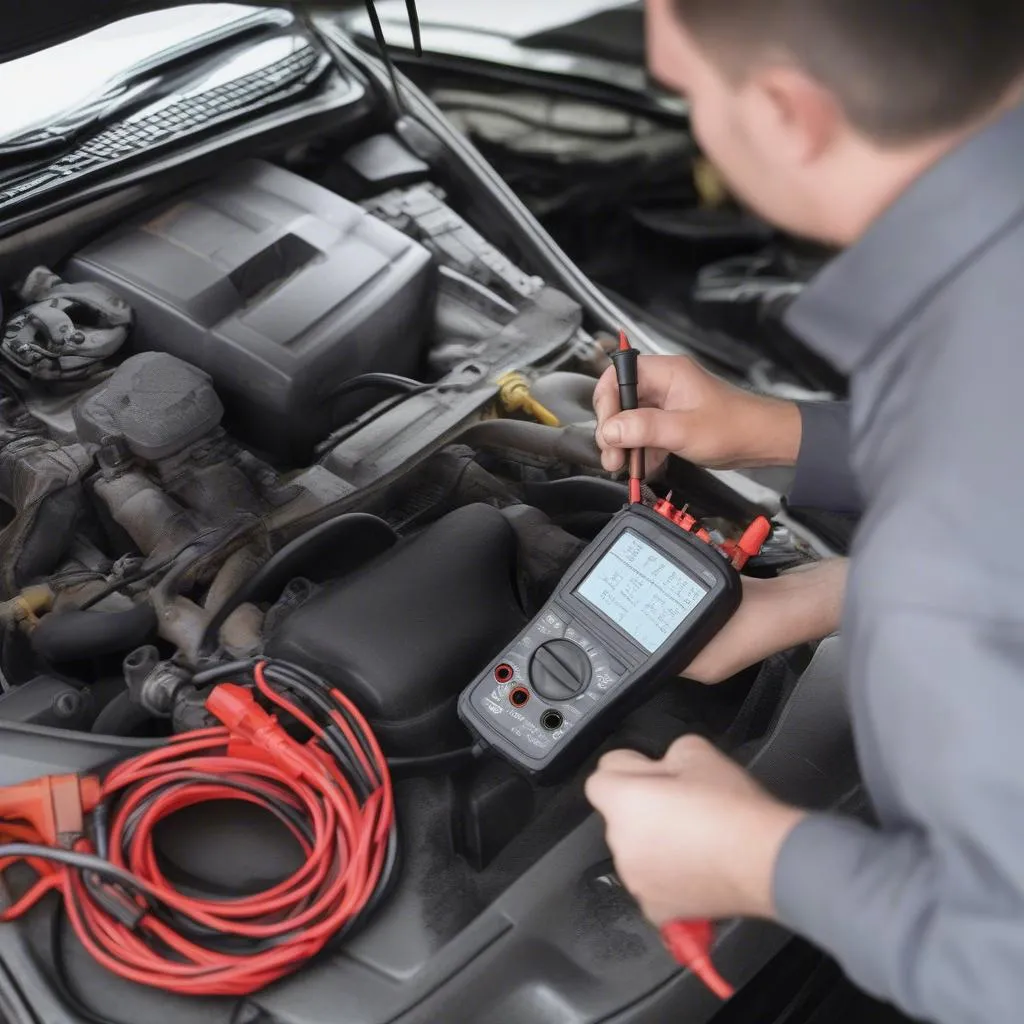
278	289
403	635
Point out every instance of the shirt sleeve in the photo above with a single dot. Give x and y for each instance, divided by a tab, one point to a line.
927	911
824	479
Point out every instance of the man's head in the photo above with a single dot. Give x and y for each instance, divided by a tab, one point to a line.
813	109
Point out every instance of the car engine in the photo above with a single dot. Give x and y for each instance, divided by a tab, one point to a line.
222	416
324	422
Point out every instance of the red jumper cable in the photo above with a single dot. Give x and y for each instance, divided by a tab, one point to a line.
331	790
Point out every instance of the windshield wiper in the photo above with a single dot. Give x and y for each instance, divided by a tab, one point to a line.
142	84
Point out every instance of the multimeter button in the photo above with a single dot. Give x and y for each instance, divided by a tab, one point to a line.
559	670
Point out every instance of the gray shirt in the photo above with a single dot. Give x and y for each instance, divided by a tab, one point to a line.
926	315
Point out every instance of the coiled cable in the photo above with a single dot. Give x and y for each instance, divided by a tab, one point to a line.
330	788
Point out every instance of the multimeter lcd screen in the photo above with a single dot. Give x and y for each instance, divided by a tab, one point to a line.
641	591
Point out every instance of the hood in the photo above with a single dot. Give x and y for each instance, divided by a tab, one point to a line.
31	27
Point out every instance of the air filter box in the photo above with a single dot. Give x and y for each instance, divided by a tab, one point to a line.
279	289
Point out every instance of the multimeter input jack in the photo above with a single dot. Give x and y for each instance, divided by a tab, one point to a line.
504	673
552	720
519	696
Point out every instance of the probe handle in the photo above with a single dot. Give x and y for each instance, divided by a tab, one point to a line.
627	375
626	362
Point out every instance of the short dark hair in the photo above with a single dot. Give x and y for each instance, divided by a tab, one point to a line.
902	69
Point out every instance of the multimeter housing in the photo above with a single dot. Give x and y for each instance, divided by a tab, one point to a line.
593	652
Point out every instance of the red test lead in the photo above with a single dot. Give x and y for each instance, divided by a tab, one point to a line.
689	942
626	373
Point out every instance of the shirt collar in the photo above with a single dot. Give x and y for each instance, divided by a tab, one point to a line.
862	298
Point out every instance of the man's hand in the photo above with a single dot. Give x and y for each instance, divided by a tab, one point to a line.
690	412
773	616
693	835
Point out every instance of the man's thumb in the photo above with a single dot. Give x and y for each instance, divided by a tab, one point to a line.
643	428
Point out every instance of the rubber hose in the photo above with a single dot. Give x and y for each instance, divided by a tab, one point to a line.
570	396
121	717
75	635
328	551
574	444
576	494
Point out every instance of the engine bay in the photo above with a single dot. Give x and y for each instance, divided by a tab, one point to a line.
325	421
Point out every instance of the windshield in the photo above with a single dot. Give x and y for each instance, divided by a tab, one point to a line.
53	82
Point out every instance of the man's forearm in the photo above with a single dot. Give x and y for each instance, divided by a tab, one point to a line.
810	602
775	615
774	429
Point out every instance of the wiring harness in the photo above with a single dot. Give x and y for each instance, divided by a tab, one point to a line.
92	841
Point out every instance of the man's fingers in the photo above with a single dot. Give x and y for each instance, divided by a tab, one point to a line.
600	790
627	762
688	749
655	378
616	770
613	459
606	396
645	428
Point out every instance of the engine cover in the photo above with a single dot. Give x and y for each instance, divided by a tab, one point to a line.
279	289
403	635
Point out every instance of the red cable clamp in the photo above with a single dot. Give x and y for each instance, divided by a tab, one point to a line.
54	805
750	544
251	727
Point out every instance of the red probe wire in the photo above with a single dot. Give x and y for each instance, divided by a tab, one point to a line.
689	942
341	816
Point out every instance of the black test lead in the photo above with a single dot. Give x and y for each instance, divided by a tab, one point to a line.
626	373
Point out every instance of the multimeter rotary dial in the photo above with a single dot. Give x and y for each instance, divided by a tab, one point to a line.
559	670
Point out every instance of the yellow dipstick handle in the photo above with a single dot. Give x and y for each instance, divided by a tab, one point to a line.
514	396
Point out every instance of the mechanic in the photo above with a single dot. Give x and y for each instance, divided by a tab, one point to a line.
895	131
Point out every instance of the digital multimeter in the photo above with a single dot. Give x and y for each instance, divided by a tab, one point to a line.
635	608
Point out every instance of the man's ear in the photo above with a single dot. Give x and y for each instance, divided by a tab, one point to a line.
800	118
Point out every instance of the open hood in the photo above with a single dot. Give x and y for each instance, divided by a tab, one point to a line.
32	27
